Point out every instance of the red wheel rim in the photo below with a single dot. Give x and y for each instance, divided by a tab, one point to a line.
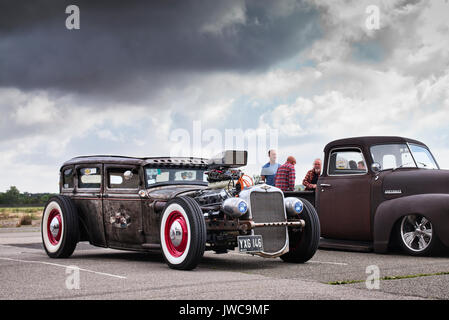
54	235
176	233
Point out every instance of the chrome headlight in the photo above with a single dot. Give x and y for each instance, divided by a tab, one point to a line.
234	207
293	206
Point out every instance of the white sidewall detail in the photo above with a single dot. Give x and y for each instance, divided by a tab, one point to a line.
168	256
48	245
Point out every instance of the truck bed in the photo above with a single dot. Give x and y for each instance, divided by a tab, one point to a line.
308	195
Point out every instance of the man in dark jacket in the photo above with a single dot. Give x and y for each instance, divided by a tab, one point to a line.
312	176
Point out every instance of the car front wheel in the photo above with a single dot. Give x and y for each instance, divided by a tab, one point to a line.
304	243
417	235
182	233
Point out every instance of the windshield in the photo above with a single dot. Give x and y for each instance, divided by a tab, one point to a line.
176	175
423	157
392	156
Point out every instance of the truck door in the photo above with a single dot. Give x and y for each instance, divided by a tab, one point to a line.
122	206
344	196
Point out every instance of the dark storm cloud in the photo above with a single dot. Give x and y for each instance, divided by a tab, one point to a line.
127	43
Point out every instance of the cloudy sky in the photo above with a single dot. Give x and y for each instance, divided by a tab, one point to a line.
138	71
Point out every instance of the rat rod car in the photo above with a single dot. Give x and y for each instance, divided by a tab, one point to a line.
380	192
179	206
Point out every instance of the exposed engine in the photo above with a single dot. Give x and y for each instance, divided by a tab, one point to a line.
225	184
212	197
225	178
222	174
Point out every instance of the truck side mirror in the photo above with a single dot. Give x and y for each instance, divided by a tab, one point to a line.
376	167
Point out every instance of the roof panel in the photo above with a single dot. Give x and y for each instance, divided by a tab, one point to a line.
113	159
369	141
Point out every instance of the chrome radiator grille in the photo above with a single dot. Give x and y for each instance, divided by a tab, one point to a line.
269	207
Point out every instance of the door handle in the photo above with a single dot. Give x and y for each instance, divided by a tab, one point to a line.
325	185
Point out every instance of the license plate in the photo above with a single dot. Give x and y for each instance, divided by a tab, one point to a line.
250	243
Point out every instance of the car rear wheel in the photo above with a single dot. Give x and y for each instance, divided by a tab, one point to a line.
59	227
182	233
304	242
417	235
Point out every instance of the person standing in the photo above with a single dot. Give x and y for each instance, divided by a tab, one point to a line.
285	176
269	170
312	176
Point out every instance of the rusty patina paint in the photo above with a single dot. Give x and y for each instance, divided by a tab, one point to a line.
125	220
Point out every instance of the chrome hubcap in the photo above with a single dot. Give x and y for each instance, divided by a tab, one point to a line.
176	233
54	227
416	232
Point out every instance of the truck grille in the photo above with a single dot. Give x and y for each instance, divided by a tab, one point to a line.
269	207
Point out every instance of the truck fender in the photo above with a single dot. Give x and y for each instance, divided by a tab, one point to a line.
434	207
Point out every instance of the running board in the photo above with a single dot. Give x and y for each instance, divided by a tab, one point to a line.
346	245
151	246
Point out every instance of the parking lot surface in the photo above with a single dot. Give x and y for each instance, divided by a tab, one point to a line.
26	272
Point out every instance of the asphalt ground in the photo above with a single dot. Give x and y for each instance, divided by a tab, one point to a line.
26	272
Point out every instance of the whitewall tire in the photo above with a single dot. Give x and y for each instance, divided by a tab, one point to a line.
182	233
59	227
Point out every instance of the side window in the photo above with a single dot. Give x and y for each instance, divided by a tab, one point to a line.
121	178
89	177
346	162
67	178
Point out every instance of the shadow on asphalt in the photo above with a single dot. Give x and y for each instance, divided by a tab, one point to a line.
444	253
39	246
121	255
222	262
218	262
214	261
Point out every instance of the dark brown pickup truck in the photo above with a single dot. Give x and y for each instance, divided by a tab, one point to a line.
378	192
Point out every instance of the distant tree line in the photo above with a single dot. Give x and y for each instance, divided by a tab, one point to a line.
13	197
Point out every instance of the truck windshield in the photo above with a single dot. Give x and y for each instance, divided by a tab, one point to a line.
175	176
423	157
393	156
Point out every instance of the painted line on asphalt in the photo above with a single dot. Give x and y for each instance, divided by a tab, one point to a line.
64	266
313	261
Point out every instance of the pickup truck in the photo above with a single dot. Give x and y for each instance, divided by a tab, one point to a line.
376	193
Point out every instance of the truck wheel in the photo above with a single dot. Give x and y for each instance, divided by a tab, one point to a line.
59	227
183	233
304	243
417	236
